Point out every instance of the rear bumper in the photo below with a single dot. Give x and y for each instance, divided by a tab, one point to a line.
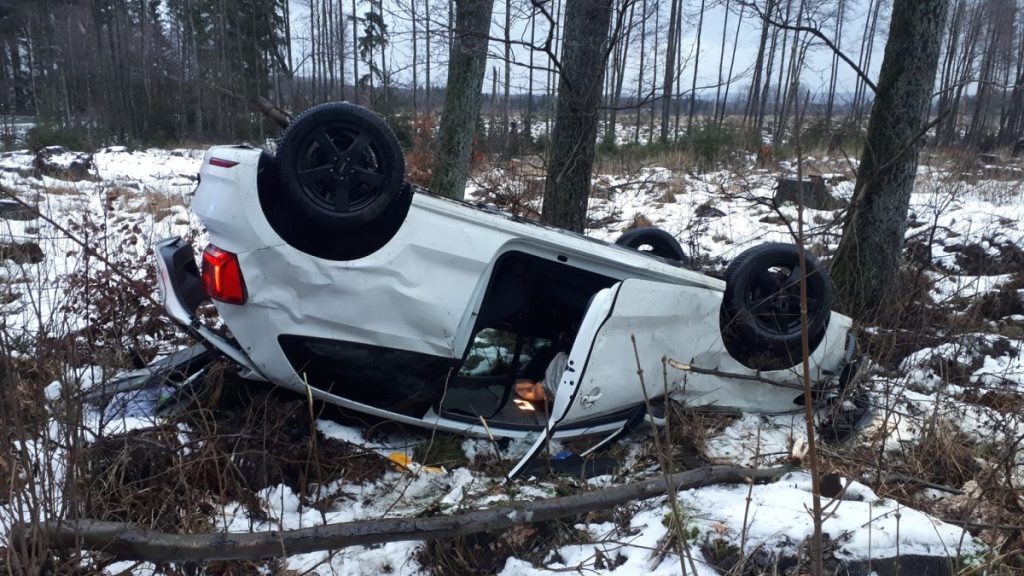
181	292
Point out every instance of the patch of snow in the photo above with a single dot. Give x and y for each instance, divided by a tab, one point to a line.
777	521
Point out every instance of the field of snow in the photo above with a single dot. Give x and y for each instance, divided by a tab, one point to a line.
974	237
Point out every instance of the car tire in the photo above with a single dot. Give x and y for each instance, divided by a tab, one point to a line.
760	314
321	240
661	243
340	165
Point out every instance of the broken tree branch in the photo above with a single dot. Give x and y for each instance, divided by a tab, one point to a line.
132	542
279	116
260	103
686	367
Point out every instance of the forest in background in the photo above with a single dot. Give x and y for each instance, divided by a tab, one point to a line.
97	72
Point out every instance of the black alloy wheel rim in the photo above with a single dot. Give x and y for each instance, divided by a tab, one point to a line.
339	169
773	299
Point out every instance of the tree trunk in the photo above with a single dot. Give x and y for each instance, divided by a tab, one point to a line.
506	105
467	64
670	69
677	100
567	187
721	63
868	48
640	73
767	79
619	75
415	59
528	121
426	50
754	97
654	79
834	70
696	62
732	64
867	264
355	53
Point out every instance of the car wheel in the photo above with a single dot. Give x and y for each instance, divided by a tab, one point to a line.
655	241
340	165
760	314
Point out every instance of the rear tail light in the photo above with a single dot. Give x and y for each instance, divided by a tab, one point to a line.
222	163
222	277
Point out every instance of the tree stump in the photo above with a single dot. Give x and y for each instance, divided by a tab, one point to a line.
811	193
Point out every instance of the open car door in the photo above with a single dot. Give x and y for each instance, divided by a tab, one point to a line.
598	311
601	384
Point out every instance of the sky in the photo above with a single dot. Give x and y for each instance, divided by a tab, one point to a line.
815	74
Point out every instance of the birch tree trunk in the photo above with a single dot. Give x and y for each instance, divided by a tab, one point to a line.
866	266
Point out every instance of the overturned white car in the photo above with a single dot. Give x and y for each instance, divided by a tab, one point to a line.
331	274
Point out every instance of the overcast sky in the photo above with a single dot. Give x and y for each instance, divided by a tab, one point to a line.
814	76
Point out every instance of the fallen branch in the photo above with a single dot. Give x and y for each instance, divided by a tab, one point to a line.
132	542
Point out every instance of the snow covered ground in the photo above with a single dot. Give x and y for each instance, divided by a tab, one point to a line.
975	234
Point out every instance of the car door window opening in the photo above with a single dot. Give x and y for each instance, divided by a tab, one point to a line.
529	314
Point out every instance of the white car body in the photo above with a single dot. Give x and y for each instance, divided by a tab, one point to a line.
420	296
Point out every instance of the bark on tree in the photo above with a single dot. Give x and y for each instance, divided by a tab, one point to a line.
128	541
467	64
584	52
867	264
